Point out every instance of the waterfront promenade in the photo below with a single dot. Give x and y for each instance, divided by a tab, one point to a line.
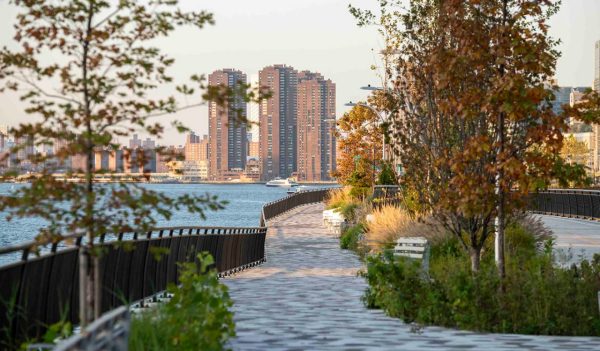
307	297
580	236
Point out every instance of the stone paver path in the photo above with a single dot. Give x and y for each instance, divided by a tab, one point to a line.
579	236
307	297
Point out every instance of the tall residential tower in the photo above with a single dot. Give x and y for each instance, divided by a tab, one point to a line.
316	146
227	137
277	117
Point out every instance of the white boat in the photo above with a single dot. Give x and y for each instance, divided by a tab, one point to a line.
297	189
282	183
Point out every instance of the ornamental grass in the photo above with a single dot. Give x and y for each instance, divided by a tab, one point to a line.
388	223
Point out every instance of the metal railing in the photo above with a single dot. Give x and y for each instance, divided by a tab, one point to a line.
281	206
109	332
567	203
38	291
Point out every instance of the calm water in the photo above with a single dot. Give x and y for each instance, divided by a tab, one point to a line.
243	210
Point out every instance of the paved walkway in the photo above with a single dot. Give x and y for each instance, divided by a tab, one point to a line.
580	237
307	297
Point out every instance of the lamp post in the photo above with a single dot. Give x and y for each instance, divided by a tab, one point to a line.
331	122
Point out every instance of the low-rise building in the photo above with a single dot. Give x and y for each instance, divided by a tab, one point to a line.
195	171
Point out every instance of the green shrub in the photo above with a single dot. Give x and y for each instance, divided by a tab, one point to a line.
350	237
525	236
360	192
536	297
387	176
196	318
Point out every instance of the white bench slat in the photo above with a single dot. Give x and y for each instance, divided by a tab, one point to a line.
410	248
410	255
412	240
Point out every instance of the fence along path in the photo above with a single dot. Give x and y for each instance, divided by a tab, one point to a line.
307	297
567	203
38	291
276	208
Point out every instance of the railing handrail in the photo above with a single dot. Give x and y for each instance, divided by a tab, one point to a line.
578	203
28	245
570	191
113	327
299	198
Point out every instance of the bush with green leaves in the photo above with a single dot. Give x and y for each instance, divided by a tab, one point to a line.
537	296
387	176
360	183
198	317
350	237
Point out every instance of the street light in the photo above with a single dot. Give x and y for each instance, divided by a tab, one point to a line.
370	88
381	118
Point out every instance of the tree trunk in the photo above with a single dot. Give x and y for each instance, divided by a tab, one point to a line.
83	285
89	275
499	239
500	218
475	259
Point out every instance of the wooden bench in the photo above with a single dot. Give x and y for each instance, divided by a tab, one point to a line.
416	247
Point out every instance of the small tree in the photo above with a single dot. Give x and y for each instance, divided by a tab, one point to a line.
387	176
87	70
360	141
575	151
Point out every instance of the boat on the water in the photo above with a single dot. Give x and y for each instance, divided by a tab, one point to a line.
282	183
298	188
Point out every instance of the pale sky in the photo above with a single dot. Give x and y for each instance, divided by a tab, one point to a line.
317	35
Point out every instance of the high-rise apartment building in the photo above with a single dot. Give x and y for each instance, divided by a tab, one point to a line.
277	118
227	137
316	146
597	66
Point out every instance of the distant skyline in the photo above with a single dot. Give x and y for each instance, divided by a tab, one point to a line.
316	35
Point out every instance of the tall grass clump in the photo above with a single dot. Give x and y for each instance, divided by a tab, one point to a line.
389	223
338	197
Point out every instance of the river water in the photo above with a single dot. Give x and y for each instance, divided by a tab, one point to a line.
243	210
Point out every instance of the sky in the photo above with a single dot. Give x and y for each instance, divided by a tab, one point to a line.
316	35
